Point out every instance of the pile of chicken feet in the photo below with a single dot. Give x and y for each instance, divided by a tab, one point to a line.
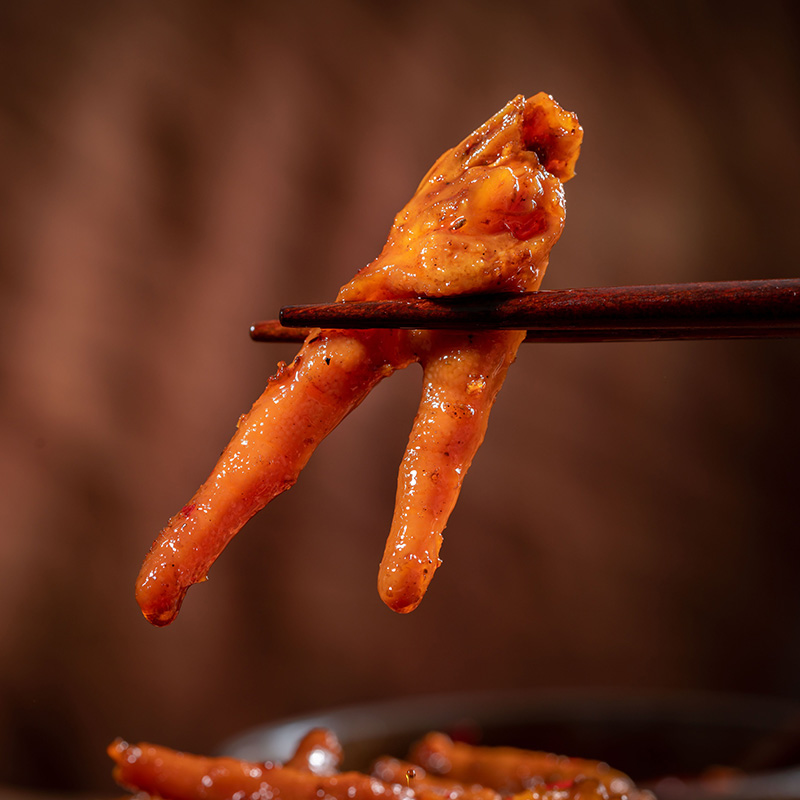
437	769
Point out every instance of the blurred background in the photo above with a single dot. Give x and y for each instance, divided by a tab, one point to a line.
173	172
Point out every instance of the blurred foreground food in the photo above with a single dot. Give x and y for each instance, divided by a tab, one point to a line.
437	768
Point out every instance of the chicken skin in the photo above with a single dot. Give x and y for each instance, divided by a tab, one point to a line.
483	220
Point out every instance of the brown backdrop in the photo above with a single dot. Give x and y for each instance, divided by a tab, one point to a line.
172	172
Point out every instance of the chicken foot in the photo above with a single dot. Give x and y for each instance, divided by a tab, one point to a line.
482	220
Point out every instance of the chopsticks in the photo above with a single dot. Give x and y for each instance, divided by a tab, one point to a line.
754	309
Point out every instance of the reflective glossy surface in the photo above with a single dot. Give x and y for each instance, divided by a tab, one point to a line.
482	220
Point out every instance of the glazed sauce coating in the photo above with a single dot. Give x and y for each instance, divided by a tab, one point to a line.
510	770
158	772
482	220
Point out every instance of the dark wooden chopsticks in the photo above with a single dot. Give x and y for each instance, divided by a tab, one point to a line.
755	309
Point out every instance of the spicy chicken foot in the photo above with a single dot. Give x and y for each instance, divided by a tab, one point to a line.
483	219
510	770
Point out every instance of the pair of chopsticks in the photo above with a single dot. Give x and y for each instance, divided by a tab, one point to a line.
755	309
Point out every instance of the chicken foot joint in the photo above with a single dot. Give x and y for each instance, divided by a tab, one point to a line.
482	220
